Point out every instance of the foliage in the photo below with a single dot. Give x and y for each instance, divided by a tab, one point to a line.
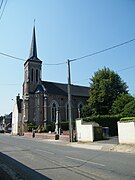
31	126
86	110
41	129
106	121
119	104
129	109
127	119
50	127
65	125
105	87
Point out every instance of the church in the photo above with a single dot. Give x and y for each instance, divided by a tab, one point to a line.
42	100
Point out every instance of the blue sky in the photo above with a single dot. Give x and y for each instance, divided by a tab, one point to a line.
66	29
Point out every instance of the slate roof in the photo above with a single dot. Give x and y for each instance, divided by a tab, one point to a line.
33	49
40	89
61	89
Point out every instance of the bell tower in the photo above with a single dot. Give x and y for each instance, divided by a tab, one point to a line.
32	78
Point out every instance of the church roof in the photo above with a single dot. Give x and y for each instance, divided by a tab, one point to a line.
61	89
33	49
40	89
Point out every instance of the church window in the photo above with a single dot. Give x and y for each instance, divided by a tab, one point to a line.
54	109
32	74
67	112
36	75
80	110
54	112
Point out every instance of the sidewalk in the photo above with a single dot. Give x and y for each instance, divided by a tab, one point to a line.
110	144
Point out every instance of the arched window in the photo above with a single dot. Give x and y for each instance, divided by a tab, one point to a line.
54	112
54	108
36	75
66	108
80	105
32	74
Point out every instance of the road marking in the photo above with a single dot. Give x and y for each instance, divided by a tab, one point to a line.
89	162
44	151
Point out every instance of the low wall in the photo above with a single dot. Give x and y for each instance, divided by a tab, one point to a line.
126	132
85	131
47	136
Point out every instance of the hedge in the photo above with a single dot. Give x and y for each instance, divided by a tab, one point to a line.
65	125
106	121
127	119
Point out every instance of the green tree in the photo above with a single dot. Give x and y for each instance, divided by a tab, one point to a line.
86	111
105	87
119	104
129	109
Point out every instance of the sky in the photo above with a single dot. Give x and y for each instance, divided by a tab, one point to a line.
65	29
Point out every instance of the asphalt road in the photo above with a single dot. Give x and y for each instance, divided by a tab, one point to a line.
40	159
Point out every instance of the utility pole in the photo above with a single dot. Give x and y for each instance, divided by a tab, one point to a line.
69	104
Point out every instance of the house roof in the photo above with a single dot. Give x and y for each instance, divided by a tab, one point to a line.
61	89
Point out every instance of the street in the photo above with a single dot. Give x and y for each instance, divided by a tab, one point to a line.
40	159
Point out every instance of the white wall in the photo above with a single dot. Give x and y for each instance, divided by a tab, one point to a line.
85	131
126	132
15	118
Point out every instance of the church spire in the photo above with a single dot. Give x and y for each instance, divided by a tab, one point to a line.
33	49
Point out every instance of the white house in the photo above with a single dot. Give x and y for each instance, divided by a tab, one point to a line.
17	126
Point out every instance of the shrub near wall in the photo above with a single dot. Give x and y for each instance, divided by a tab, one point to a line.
106	121
65	125
127	119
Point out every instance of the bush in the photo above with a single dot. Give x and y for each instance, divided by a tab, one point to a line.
31	126
106	121
129	109
127	119
65	125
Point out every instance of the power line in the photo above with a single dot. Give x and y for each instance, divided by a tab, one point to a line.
55	64
124	69
104	50
13	57
3	9
76	59
21	59
1	4
130	67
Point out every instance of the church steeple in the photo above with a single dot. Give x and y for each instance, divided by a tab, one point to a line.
33	49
